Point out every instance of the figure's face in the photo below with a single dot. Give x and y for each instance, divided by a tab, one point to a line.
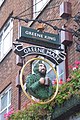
42	68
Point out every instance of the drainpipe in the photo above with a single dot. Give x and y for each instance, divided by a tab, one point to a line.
66	62
19	62
19	98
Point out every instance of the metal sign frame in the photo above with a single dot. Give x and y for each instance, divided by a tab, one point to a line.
36	37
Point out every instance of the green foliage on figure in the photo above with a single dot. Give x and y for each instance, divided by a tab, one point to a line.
35	88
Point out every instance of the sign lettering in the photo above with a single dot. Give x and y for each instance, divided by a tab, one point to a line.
35	37
55	57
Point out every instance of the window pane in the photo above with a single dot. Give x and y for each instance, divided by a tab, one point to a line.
47	66
6	44
2	114
61	71
7	28
38	6
9	108
0	44
0	37
6	39
1	1
51	75
9	96
4	101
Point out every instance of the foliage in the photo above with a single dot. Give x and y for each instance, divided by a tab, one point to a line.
34	112
66	91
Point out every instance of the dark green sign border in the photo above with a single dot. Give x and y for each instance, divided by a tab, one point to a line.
35	37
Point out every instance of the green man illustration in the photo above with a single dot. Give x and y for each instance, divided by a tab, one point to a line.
37	84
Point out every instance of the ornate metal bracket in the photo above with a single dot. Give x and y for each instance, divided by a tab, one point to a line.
74	33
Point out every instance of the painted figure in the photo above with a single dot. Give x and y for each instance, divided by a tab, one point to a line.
38	85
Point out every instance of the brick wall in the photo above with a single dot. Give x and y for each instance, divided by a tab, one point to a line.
8	67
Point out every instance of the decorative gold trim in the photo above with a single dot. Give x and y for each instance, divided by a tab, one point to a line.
21	74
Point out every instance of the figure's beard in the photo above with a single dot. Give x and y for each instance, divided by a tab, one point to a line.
42	73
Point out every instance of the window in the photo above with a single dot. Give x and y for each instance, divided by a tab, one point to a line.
61	71
59	68
1	2
6	39
5	102
38	6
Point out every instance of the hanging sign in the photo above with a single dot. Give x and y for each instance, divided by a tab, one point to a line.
48	46
36	37
55	56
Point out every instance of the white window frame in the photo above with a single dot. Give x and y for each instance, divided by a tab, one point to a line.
6	39
1	2
36	5
6	91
